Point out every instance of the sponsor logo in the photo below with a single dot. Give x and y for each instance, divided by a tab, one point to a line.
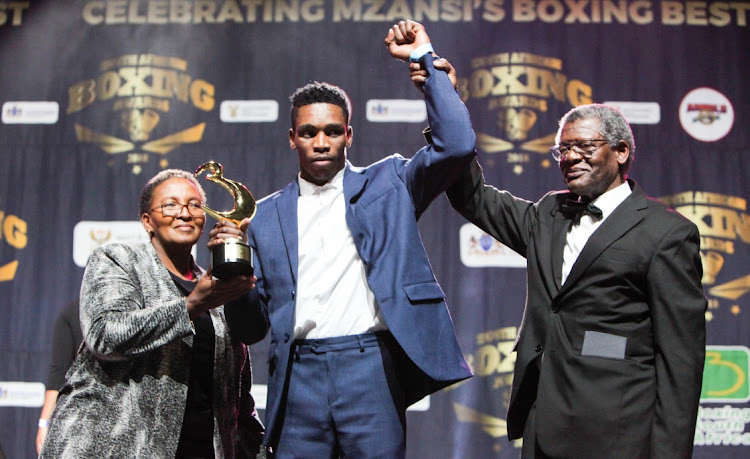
725	380
725	376
638	112
88	235
706	114
249	111
131	101
30	112
396	110
25	394
723	426
478	249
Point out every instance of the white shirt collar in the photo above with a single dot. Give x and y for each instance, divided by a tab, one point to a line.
609	201
308	188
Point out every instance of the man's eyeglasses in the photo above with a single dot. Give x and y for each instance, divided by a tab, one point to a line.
585	148
174	209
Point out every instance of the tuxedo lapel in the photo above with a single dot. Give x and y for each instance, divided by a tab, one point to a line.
286	208
622	220
560	227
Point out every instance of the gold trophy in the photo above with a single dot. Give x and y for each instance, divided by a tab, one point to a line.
234	256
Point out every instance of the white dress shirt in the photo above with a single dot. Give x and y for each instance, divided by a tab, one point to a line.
579	233
333	297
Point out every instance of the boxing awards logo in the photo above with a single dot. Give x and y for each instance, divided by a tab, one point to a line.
127	105
13	231
513	90
722	221
492	362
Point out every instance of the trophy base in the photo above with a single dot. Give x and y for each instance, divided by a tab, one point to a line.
232	258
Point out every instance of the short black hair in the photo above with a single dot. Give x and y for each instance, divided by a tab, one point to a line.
319	93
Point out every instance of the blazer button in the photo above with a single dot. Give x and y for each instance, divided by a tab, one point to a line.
555	309
539	348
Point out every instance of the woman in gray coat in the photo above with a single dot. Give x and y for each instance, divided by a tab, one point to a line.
160	374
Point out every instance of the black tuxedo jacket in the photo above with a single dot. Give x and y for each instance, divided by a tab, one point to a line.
614	357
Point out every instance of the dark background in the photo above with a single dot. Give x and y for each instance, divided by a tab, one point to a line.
51	180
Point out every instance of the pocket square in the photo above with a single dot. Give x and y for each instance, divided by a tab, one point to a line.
599	344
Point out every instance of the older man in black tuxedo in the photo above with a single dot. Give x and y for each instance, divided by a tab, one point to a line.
612	344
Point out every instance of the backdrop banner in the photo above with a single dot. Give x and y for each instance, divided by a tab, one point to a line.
98	96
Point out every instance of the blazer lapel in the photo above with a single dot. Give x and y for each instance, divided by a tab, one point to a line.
354	183
354	186
286	208
625	217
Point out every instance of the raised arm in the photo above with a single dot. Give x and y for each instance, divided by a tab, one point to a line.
436	166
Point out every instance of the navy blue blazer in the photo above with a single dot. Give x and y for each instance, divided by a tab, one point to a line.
383	203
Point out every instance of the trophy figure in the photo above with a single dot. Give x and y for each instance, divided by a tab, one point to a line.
234	256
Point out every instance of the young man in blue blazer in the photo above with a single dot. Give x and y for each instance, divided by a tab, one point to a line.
360	327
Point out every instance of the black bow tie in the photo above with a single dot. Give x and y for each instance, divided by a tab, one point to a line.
574	209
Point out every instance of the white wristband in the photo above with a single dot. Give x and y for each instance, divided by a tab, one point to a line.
44	423
420	51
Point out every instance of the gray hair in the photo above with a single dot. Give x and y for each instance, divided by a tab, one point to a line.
612	126
147	193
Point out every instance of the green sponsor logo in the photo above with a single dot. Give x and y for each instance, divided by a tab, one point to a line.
725	376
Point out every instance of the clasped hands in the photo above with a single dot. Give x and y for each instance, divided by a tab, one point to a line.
405	37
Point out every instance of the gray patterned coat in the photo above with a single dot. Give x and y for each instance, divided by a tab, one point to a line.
126	390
